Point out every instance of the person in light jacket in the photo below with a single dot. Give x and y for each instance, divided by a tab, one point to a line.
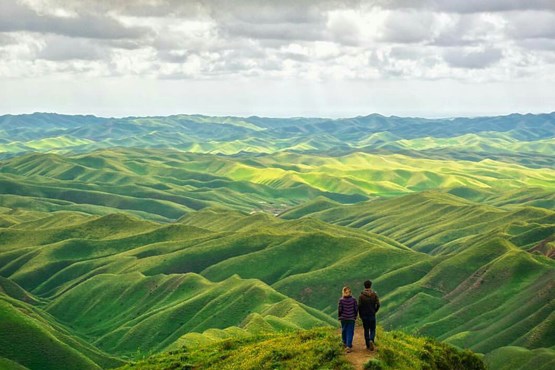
347	311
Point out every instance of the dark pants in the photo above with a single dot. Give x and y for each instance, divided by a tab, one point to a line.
369	325
347	332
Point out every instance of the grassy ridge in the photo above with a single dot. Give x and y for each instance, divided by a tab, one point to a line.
506	358
473	294
297	350
365	173
398	350
153	312
63	255
312	349
449	222
481	272
166	184
534	197
513	138
130	312
163	184
34	339
8	364
183	263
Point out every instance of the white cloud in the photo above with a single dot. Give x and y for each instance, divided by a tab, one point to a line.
345	26
61	48
531	25
472	59
291	40
15	16
409	26
468	6
480	6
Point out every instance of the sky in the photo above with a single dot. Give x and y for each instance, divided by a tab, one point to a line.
427	58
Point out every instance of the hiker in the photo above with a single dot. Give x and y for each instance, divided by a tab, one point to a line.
368	305
347	312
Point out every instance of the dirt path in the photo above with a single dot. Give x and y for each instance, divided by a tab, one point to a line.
360	355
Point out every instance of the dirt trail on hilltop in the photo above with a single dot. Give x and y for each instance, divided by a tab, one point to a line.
360	355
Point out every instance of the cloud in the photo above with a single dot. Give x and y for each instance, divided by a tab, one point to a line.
7	39
538	44
480	6
15	16
469	29
279	51
285	20
531	25
409	26
273	31
468	6
345	26
472	59
60	48
290	39
408	52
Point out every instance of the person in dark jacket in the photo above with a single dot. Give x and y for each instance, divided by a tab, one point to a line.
368	305
347	310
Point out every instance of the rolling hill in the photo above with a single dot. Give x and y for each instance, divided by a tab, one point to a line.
309	350
137	277
202	236
164	185
526	139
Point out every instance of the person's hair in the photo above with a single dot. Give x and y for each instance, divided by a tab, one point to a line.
368	284
346	291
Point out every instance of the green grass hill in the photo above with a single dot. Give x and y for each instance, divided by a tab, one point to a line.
506	358
310	349
155	311
33	339
129	285
226	240
164	185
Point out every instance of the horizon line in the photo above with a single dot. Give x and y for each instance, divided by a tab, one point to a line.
283	117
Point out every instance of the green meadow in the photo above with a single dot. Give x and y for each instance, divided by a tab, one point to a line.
223	242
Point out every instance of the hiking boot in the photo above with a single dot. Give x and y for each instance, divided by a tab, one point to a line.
348	349
372	347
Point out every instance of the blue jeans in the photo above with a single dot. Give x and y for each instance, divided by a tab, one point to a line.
369	325
347	332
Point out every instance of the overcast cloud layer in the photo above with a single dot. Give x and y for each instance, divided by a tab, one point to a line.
277	57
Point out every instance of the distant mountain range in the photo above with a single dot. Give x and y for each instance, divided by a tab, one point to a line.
514	137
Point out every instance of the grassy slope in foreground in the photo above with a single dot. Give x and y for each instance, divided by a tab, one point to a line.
311	349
